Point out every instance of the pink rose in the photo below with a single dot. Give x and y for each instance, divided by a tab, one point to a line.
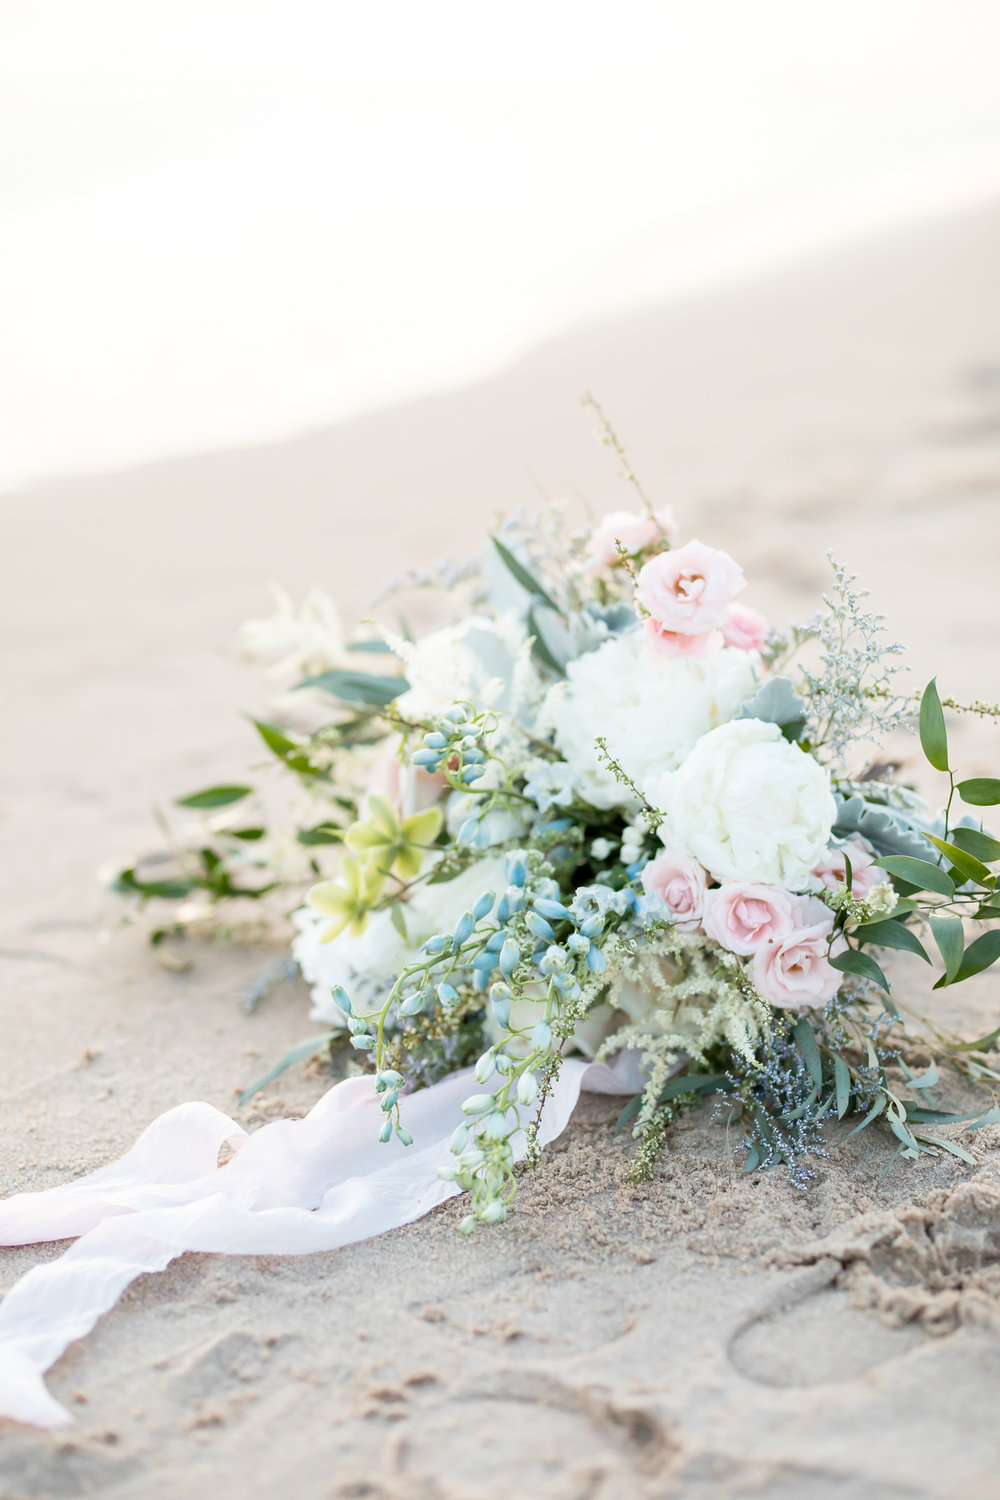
680	884
832	870
743	916
671	643
797	971
745	628
634	533
688	590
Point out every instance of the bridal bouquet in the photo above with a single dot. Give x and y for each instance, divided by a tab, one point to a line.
610	811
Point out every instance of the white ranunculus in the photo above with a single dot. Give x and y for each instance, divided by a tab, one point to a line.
748	806
370	963
651	711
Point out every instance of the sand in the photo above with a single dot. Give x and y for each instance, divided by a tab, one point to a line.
711	1335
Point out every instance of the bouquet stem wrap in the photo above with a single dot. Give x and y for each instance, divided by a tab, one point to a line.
292	1188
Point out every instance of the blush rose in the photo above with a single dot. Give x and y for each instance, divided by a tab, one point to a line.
680	883
688	591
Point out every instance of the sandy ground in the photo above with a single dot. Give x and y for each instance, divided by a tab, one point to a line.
714	1335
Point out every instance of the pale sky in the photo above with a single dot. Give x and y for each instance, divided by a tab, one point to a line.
222	221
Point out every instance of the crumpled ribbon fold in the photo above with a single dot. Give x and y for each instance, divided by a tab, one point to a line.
292	1188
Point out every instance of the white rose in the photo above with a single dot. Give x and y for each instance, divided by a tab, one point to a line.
650	710
748	806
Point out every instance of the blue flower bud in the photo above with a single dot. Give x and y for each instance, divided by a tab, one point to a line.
341	998
356	1026
388	1101
577	943
471	774
539	927
504	1064
467	1225
553	959
510	957
478	1104
404	1135
517	872
429	758
495	941
494	1213
458	714
501	1010
437	944
472	755
541	1037
447	994
485	962
595	961
565	983
554	910
413	1004
527	1088
436	740
496	1126
484	905
459	1139
480	981
363	1043
592	927
385	1133
503	910
485	1068
463	928
469	833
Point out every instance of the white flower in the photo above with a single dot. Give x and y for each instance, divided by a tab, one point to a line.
600	849
294	644
650	710
748	806
476	661
367	965
550	783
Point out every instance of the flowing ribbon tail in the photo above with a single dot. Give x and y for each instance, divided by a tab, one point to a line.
293	1188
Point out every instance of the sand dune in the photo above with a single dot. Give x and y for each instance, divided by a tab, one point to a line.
717	1335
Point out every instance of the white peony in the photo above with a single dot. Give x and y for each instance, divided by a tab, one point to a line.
651	711
748	806
367	965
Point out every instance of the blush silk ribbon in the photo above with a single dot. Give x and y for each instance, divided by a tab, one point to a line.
292	1188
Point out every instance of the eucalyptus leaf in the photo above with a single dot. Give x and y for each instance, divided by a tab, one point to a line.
950	1146
949	934
891	934
933	734
979	955
980	791
521	575
805	1040
842	1078
974	841
297	1053
966	864
358	687
862	964
215	796
918	872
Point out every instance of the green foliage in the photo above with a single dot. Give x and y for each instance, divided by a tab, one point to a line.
358	687
980	791
933	734
522	576
215	796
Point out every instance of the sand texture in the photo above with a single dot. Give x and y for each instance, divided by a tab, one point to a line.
713	1335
